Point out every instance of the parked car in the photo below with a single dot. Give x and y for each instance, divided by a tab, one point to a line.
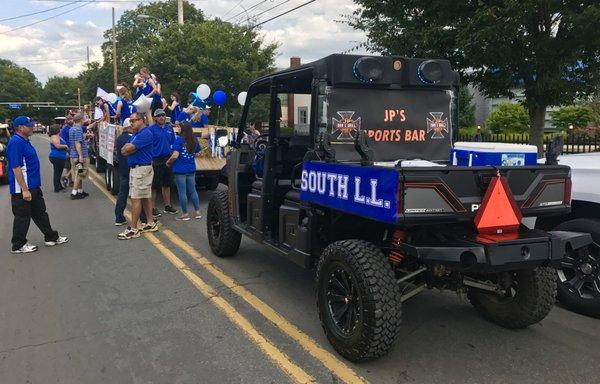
578	275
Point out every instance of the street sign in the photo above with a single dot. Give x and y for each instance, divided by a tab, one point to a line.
14	106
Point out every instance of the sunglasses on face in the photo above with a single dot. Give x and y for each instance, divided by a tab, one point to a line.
134	119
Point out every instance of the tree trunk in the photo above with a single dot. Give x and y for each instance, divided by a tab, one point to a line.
537	116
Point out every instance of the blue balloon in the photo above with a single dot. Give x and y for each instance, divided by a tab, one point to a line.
220	98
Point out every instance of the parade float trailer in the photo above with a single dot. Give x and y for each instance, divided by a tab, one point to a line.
208	166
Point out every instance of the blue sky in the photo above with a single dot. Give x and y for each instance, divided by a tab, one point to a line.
58	46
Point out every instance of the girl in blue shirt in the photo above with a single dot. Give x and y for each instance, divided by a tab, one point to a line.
183	163
58	155
174	107
124	105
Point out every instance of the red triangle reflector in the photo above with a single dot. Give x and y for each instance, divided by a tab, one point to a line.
498	212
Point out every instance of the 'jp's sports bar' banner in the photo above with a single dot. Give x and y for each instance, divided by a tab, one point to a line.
402	124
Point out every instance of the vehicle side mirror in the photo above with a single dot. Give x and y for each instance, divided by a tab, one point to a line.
296	171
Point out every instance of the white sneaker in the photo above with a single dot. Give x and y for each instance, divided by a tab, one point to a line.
27	248
60	240
198	215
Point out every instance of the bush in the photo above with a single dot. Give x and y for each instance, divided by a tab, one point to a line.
576	115
508	118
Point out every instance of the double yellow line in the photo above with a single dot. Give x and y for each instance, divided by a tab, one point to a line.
278	357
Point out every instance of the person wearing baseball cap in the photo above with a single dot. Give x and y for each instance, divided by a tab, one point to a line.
162	139
25	188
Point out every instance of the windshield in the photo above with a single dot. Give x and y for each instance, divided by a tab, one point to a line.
402	124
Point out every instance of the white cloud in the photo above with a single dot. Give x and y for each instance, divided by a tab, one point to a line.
310	32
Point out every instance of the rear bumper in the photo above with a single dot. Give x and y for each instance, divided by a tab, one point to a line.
527	249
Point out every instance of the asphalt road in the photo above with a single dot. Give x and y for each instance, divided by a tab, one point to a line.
151	310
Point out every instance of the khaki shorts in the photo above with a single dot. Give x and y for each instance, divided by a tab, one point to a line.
86	165
140	182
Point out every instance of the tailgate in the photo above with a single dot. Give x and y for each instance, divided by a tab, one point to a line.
440	193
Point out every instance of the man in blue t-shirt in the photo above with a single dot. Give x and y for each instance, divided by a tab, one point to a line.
25	188
163	138
139	152
80	160
64	134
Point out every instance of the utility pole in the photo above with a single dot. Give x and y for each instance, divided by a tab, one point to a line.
114	49
180	12
79	98
88	57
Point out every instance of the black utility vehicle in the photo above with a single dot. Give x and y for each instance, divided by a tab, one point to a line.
348	197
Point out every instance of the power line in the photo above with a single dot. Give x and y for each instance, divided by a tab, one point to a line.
270	9
247	9
48	18
34	13
282	14
232	8
43	60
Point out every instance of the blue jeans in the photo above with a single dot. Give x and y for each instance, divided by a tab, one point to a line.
186	186
122	200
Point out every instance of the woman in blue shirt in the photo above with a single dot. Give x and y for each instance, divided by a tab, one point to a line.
175	107
124	105
58	155
183	163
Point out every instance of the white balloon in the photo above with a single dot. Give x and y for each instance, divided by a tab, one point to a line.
142	104
111	98
242	98
203	91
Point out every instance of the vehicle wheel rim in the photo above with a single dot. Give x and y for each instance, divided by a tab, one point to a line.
579	272
214	225
343	301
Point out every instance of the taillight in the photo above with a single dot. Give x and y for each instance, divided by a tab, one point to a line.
568	191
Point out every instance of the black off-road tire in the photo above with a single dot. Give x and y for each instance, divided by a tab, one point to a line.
224	240
588	303
378	297
534	298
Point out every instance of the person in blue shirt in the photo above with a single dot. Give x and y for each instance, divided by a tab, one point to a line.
64	134
183	163
174	107
123	171
25	183
58	155
124	105
163	138
149	88
79	154
139	157
205	115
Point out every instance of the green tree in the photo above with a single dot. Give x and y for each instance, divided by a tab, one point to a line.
134	34
508	118
17	84
96	75
220	54
576	115
549	48
466	109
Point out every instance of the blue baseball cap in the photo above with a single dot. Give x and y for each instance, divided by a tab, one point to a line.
23	120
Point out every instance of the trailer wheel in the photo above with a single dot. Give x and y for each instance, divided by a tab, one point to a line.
358	300
224	240
529	297
108	177
100	165
212	183
116	181
578	276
